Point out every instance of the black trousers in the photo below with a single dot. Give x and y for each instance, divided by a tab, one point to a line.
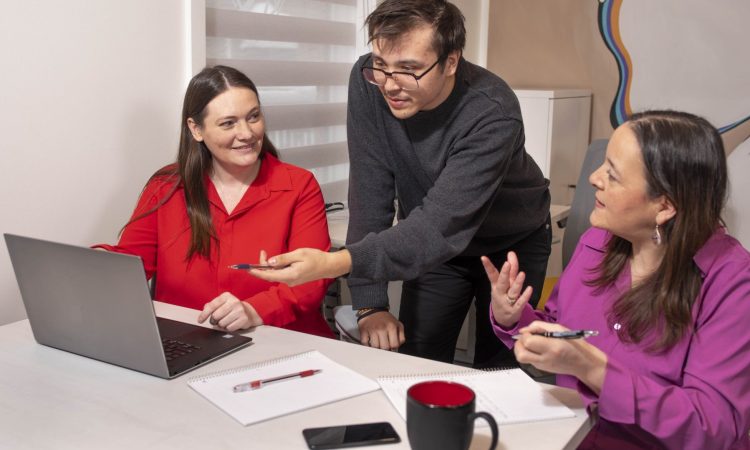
434	306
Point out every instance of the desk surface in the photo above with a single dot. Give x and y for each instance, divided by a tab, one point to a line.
338	221
50	399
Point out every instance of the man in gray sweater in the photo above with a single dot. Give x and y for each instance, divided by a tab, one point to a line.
445	138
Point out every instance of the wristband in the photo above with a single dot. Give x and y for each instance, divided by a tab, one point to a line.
364	312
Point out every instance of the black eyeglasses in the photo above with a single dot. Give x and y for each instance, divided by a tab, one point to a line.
406	80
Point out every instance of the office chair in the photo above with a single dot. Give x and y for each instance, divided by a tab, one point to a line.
575	224
583	200
346	323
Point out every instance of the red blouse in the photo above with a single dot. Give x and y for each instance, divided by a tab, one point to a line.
282	210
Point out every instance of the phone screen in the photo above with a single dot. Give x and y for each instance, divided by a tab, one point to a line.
350	435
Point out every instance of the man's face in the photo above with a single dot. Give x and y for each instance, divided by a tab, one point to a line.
413	53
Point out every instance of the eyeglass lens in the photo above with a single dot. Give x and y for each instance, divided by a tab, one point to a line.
407	82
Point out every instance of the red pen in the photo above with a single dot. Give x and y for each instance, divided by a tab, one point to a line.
257	384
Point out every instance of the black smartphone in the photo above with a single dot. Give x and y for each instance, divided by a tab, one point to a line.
350	435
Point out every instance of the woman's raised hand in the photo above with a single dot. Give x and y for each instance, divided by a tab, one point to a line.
508	294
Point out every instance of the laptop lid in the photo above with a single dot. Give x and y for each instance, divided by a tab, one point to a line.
97	304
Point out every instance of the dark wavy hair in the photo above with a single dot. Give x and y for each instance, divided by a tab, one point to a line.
392	18
194	158
685	162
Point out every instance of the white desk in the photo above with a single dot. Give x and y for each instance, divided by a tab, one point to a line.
50	399
558	212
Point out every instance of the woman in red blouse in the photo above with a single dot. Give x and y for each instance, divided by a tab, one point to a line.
226	198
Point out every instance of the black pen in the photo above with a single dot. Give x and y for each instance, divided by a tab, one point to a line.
244	266
570	334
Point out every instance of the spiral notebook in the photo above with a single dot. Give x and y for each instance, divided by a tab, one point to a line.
509	395
334	382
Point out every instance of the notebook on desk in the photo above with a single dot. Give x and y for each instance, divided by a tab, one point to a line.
287	391
97	304
509	395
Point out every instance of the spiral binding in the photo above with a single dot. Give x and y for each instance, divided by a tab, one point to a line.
451	374
257	365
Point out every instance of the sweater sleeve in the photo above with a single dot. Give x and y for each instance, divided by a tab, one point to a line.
280	304
371	188
451	212
710	408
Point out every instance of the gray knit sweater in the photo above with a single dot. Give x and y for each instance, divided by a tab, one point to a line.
464	182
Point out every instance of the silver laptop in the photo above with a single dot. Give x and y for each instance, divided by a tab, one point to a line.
97	304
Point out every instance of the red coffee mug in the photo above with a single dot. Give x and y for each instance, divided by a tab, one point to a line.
440	415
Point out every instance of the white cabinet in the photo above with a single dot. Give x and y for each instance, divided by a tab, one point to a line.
556	124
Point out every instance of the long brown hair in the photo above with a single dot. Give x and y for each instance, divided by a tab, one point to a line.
685	162
193	157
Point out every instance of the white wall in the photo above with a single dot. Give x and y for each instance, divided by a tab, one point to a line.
737	211
476	13
91	93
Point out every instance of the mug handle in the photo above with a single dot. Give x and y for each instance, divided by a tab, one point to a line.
491	421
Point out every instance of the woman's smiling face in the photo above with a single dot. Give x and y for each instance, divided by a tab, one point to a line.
233	129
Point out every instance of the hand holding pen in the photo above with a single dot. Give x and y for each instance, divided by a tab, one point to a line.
553	348
246	266
262	265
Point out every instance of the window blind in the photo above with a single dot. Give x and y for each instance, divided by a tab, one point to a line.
299	54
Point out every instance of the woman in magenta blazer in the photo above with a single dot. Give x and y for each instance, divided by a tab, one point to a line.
663	284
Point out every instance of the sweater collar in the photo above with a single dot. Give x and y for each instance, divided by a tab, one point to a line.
445	108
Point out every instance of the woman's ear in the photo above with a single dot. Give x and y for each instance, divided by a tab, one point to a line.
195	130
666	211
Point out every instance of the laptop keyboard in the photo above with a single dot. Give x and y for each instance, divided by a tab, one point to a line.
174	349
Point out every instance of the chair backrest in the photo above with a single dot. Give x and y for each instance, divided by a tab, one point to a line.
583	199
346	323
